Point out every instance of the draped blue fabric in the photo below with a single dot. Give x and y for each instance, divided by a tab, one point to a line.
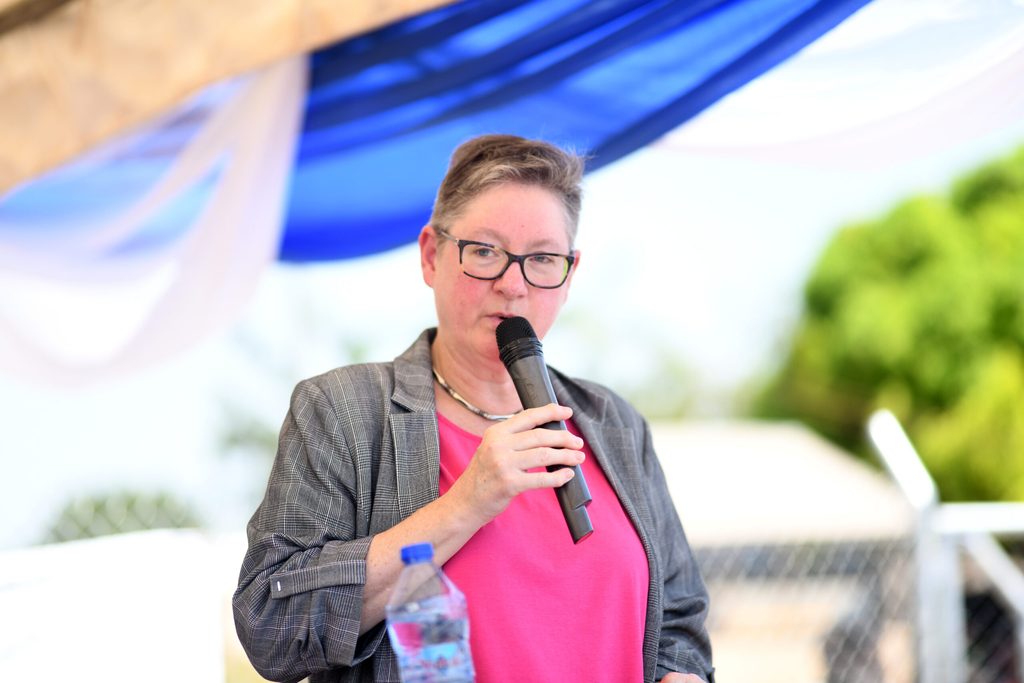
604	77
384	111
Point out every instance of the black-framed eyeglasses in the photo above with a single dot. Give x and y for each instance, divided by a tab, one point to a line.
484	261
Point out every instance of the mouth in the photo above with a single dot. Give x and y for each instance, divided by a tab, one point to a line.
497	318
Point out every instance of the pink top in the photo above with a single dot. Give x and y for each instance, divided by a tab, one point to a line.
540	607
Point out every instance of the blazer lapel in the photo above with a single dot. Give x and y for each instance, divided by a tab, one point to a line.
413	427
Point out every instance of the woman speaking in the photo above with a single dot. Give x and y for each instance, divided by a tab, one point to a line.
436	447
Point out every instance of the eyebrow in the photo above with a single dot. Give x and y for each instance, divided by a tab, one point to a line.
545	246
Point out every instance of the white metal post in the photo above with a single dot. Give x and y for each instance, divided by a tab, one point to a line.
941	626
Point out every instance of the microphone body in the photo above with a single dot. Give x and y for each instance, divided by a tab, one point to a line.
523	356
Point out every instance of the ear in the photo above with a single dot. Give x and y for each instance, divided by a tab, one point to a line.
428	254
572	271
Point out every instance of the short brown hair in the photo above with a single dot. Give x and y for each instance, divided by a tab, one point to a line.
489	160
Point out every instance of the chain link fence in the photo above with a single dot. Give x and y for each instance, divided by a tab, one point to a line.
843	613
831	608
822	570
814	612
118	512
992	632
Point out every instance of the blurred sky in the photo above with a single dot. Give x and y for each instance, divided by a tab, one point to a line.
697	246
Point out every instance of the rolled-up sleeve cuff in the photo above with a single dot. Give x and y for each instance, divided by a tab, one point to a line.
341	564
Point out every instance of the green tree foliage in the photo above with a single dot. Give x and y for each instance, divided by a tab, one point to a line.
922	312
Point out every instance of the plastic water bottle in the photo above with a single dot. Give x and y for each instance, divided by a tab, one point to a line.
427	622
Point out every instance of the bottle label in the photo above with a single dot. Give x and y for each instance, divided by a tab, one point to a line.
440	663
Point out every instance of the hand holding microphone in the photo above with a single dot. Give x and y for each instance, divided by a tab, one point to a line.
523	356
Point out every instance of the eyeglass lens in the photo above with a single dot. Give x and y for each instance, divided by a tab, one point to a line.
541	270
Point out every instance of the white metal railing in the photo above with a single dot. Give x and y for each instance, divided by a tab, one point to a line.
942	531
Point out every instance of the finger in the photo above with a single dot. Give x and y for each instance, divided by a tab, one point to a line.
545	479
534	417
546	457
545	438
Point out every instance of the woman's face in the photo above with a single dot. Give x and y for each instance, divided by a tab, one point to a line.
521	219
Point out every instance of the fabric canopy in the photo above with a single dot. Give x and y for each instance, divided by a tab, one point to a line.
75	72
160	212
384	111
905	79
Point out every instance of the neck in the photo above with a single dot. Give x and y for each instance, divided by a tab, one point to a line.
457	397
483	383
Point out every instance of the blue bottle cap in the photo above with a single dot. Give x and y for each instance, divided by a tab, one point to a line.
418	552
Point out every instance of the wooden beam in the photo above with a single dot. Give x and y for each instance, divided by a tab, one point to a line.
15	13
86	70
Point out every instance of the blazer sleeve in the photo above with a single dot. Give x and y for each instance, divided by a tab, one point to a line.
299	598
684	645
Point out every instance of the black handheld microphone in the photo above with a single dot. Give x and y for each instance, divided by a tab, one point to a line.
522	354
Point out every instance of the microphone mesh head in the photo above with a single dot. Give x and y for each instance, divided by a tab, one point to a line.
512	329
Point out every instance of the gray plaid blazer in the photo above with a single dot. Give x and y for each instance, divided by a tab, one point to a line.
358	453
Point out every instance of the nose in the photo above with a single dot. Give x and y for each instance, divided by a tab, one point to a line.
512	282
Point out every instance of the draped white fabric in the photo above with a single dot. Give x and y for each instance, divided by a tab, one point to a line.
93	295
899	80
88	298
